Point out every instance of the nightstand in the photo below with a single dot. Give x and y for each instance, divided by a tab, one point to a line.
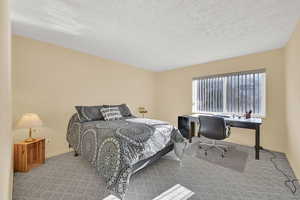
28	155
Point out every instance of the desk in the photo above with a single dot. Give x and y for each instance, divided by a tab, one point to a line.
187	124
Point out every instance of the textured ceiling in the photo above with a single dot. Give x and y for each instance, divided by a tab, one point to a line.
159	34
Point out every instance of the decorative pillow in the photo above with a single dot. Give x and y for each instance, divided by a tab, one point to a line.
111	113
124	109
89	113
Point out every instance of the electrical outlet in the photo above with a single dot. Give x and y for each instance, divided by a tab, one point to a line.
67	144
48	141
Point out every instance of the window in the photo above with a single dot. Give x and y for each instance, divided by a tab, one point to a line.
230	93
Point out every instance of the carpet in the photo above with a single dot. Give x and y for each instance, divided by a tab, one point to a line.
235	158
65	177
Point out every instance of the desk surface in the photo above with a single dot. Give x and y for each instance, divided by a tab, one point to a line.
242	119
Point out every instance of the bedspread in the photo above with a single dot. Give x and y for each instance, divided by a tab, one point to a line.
113	147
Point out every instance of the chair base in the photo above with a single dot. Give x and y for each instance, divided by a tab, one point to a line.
219	147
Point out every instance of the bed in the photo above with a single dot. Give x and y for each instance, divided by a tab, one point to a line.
120	148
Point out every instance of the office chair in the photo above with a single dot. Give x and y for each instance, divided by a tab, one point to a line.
214	128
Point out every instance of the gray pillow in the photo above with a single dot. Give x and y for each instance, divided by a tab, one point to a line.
124	109
89	113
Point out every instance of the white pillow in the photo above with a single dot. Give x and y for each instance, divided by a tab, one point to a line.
111	113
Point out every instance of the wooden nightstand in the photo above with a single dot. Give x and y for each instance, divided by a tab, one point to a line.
29	154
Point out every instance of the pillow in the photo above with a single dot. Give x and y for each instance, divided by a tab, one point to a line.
124	109
89	113
111	113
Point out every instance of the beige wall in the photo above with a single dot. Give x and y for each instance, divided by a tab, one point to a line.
292	58
174	94
51	80
5	104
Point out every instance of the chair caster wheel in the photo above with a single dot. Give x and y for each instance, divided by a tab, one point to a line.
200	147
225	150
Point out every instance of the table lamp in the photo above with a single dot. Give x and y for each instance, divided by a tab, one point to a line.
29	120
142	110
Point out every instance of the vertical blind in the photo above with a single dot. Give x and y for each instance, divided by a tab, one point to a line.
230	93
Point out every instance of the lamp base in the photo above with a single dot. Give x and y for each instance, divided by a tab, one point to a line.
30	139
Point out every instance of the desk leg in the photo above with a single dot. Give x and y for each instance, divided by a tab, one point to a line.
191	131
257	142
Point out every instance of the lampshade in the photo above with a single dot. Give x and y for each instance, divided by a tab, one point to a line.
142	110
29	120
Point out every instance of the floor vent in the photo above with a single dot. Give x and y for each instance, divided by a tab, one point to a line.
177	192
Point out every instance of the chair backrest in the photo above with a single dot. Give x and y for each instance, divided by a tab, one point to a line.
183	126
212	127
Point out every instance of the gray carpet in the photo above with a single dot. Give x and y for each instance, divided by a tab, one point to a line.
65	177
235	159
